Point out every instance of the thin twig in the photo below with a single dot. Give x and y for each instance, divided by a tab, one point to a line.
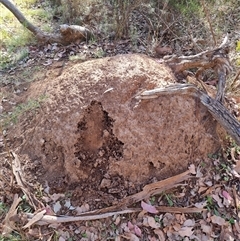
209	22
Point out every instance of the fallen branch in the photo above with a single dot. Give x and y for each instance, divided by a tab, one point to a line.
8	224
148	190
67	35
47	219
215	107
216	59
19	176
122	206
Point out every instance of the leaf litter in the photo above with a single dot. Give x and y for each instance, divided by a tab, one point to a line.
205	212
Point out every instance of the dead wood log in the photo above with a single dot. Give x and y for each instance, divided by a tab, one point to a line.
66	35
216	59
215	107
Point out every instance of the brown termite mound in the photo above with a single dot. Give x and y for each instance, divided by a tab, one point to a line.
91	136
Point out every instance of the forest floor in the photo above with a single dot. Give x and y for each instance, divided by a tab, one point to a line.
204	205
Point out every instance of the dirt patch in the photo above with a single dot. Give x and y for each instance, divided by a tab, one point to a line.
91	137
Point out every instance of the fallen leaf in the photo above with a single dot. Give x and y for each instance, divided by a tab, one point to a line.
118	220
152	223
131	237
192	169
201	204
218	200
148	207
137	231
206	228
67	204
209	183
56	207
56	196
160	234
85	207
226	195
49	210
130	225
185	232
168	219
218	220
199	173
189	223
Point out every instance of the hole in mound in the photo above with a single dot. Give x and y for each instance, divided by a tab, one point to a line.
95	146
96	136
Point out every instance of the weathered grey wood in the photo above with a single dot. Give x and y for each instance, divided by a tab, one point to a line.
216	59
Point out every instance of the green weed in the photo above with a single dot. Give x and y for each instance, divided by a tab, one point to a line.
186	7
169	199
18	111
3	208
11	237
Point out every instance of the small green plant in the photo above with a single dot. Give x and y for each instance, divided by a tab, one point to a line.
231	220
203	164
169	199
12	237
24	205
211	206
113	226
31	105
157	219
99	53
186	7
3	208
10	59
152	200
238	46
213	156
39	191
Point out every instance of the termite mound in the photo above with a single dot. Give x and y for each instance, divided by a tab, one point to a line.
93	137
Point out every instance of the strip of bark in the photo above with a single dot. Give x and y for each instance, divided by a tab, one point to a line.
46	219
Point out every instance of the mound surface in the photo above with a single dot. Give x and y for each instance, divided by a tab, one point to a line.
92	137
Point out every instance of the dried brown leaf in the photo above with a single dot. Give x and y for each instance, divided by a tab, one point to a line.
189	223
152	223
192	169
217	220
148	207
206	228
160	234
218	200
185	231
